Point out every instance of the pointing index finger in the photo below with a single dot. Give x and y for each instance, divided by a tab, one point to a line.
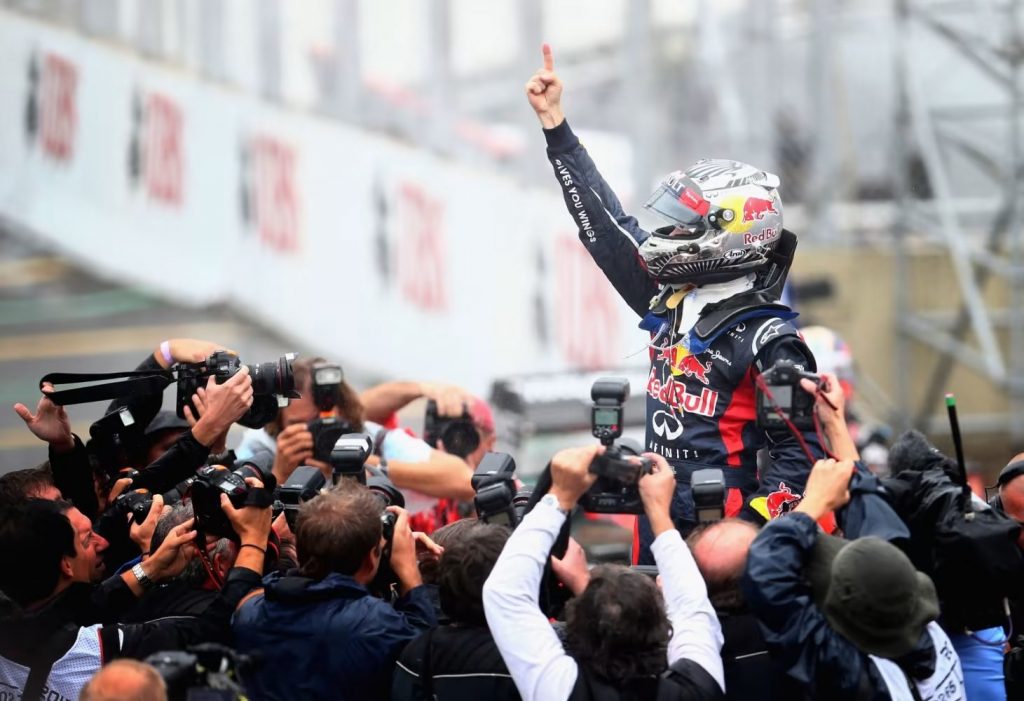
549	59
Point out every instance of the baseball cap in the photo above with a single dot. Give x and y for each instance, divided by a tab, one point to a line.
165	421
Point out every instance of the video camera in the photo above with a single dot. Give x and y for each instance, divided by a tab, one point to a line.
497	500
780	397
273	384
619	469
458	434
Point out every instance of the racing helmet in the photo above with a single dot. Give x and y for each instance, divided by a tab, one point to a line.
723	220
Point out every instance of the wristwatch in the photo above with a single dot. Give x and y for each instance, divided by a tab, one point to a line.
140	574
552	500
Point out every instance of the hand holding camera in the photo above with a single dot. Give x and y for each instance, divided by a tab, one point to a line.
250	523
141	531
830	407
571	475
294	448
403	550
657	488
224	404
174	553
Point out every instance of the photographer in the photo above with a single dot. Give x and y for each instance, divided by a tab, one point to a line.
848	619
621	634
459	660
327	636
706	287
72	462
54	635
410	463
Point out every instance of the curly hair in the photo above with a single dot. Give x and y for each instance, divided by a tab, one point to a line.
617	629
465	565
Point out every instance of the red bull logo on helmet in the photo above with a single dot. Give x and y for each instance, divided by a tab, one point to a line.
684	364
756	208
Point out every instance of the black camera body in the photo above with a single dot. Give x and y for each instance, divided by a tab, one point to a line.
116	440
785	395
137	502
302	485
618	470
326	431
458	434
211	481
348	456
494	484
708	489
272	383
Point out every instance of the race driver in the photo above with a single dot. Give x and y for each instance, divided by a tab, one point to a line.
706	287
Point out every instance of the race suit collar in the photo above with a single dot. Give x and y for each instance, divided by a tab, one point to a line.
700	297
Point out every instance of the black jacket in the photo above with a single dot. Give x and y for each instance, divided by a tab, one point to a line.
798	634
451	663
45	635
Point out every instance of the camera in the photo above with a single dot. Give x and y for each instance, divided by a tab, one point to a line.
137	502
116	440
618	470
304	484
494	484
207	671
213	480
326	431
326	383
272	384
708	487
348	456
458	434
781	400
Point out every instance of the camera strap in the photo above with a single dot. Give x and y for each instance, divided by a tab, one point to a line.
141	383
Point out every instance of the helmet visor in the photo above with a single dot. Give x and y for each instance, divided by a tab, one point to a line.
686	210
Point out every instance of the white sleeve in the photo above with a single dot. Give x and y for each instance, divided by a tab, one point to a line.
532	651
696	632
397	445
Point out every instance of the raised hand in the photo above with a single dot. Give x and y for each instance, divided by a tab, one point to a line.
50	422
544	91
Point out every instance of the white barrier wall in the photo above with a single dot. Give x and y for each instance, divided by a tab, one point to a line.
383	255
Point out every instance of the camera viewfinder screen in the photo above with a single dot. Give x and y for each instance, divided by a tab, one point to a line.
606	417
783	395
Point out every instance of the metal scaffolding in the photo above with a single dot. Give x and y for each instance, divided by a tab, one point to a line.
959	170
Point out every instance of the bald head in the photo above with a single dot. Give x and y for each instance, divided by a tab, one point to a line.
1012	493
125	679
720	551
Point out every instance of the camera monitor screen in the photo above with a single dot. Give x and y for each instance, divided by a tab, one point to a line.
606	417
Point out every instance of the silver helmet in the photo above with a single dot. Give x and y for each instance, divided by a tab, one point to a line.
723	220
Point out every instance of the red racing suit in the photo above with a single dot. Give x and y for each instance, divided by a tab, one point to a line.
700	393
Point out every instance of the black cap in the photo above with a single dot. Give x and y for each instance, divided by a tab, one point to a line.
165	421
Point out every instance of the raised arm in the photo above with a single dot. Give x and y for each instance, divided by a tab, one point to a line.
610	235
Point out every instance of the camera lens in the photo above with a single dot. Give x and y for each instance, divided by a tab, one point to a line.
273	378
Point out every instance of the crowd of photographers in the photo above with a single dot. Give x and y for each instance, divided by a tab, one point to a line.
331	554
